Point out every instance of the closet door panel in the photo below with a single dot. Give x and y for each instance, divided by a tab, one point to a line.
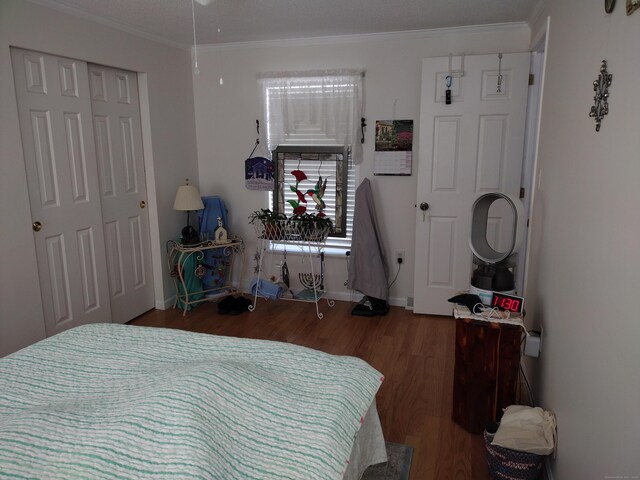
116	119
62	178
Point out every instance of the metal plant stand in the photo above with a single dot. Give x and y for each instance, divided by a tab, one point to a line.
310	243
178	255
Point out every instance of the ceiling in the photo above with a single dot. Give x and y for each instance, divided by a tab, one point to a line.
260	20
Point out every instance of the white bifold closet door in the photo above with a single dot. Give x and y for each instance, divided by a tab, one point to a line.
67	201
118	140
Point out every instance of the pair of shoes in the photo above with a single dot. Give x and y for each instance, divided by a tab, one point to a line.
234	305
370	306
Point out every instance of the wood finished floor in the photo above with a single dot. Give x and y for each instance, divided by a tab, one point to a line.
414	352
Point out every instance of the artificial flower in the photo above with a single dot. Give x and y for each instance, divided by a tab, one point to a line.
299	174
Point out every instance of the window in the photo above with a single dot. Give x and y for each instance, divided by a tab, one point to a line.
312	124
321	162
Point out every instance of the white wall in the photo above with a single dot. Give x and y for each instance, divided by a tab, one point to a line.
586	257
225	120
172	134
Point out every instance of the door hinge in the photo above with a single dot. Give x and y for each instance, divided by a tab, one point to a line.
532	78
521	192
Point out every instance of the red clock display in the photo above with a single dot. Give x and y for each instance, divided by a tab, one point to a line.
511	303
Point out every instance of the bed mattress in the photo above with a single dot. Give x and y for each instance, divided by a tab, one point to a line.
117	401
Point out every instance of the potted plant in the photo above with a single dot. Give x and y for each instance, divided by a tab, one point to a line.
270	222
311	227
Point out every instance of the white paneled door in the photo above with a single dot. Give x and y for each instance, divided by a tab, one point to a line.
55	117
471	146
118	139
82	142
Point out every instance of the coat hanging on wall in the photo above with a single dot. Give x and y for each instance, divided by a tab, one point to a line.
368	271
258	170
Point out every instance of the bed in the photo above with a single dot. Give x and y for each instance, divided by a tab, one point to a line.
118	401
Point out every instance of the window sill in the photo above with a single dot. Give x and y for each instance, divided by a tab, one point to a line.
298	248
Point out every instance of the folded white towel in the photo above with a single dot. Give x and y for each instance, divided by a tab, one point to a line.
527	429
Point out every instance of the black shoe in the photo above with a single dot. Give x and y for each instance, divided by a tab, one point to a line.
363	309
240	305
380	307
226	304
370	306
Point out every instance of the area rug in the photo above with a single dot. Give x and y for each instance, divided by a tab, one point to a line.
398	466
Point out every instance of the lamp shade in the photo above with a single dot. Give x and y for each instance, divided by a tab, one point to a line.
188	199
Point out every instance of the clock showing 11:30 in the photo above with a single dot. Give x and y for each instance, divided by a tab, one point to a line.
511	303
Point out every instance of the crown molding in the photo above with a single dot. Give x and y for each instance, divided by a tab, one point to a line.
368	37
536	12
110	23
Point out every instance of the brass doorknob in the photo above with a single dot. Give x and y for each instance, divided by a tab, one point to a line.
37	226
143	204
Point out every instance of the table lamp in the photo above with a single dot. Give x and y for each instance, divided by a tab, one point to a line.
188	200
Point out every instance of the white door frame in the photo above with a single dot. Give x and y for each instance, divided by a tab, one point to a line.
532	141
157	248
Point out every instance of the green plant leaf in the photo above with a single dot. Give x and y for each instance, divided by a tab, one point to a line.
293	189
293	203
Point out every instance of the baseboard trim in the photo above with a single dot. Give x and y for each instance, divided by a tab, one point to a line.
165	304
355	297
350	296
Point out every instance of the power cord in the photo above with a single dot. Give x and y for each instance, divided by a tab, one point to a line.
488	313
348	254
346	257
524	376
529	390
396	275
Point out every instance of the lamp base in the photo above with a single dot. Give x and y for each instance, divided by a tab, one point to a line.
190	236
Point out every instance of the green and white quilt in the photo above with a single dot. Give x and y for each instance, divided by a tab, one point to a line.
117	401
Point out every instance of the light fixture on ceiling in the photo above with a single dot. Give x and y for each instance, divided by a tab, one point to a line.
196	70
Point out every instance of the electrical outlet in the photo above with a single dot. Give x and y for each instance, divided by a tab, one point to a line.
533	343
400	256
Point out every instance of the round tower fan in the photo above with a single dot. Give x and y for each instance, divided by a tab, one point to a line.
494	270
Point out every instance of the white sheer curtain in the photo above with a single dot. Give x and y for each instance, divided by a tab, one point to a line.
313	108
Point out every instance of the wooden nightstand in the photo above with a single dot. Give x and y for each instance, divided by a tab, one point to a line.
486	369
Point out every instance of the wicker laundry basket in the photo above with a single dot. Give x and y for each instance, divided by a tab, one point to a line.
506	464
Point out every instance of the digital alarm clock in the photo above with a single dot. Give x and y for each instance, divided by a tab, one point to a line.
511	303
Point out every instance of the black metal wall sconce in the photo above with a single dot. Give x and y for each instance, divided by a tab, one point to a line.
632	6
601	87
